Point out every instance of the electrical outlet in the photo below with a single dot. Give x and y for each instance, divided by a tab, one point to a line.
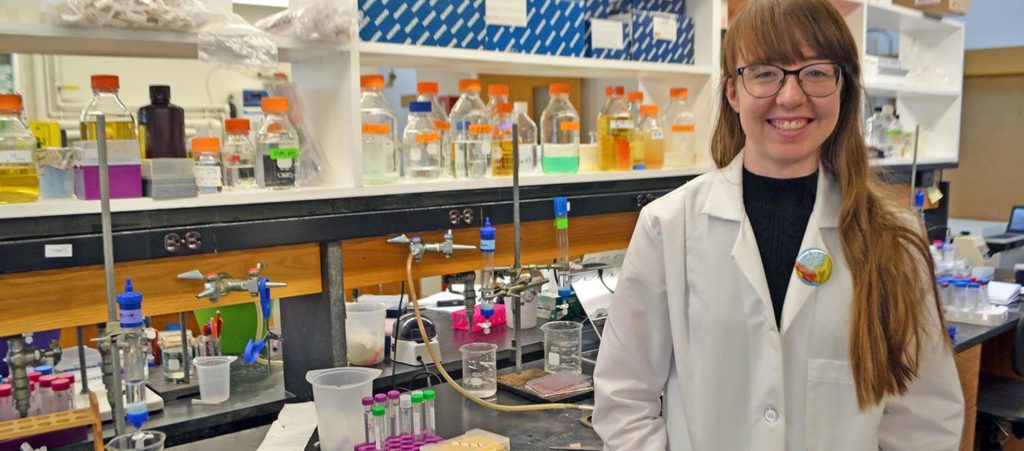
175	242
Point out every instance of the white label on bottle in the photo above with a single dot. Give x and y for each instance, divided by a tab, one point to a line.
607	34
433	149
284	163
554	359
208	176
622	124
657	134
665	28
15	157
57	250
496	153
505	12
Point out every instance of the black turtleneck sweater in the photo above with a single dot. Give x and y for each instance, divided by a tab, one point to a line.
778	210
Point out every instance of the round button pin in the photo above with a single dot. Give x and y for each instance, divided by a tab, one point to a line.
813	267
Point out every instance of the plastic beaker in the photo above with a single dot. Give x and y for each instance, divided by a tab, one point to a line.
480	369
364	333
337	393
563	343
137	441
214	378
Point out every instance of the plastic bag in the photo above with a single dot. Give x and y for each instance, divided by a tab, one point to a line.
321	20
313	161
175	15
231	40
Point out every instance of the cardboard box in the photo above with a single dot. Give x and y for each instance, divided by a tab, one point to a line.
441	23
659	37
607	39
941	7
661	6
539	27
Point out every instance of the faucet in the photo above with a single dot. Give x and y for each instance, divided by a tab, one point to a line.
417	248
217	285
21	355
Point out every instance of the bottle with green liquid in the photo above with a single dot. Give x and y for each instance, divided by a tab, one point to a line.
560	133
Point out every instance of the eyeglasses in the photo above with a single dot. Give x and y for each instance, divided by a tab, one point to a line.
766	80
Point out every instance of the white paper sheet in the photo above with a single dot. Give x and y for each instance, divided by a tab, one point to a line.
506	12
665	28
607	34
1001	293
292	429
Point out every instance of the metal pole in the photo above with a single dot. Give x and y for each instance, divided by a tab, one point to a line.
81	359
108	267
517	318
913	169
185	347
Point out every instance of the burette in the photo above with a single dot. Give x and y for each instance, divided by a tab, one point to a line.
414	300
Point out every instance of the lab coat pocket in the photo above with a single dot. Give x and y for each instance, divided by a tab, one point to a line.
834	422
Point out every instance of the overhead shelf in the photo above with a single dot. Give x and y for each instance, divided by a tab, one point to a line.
63	207
41	38
890	89
481	61
907	20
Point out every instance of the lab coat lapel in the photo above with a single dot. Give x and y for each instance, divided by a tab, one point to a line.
725	201
824	216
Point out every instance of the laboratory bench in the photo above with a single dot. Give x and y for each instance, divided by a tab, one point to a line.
540	430
257	395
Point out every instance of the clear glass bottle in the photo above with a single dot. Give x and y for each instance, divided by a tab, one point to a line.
427	92
527	138
471	133
379	128
652	139
560	133
636	101
119	119
19	179
62	396
422	144
679	122
277	147
238	156
496	94
502	152
208	169
44	394
615	133
7	411
894	137
877	130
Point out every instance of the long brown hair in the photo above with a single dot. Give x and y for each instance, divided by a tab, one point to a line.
889	251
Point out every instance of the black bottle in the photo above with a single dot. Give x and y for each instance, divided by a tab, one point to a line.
162	126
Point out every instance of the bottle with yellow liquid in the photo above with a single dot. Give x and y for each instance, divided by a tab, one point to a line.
502	161
615	133
19	181
652	139
119	119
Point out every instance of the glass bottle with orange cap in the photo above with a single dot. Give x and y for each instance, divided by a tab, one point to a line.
206	153
471	133
277	147
238	156
379	128
496	94
560	133
19	181
427	91
502	161
650	153
615	134
679	123
120	124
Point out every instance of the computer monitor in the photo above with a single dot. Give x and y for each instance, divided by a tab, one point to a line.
1016	220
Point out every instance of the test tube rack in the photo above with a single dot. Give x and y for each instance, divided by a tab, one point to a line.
68	419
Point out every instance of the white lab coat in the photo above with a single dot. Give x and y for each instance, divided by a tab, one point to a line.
691	358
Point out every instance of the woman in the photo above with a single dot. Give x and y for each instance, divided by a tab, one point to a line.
780	302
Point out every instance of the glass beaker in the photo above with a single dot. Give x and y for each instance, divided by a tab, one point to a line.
480	369
563	342
138	441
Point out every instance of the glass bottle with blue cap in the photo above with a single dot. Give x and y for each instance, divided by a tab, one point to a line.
422	157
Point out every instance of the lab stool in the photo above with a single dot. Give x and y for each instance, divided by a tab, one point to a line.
1001	400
